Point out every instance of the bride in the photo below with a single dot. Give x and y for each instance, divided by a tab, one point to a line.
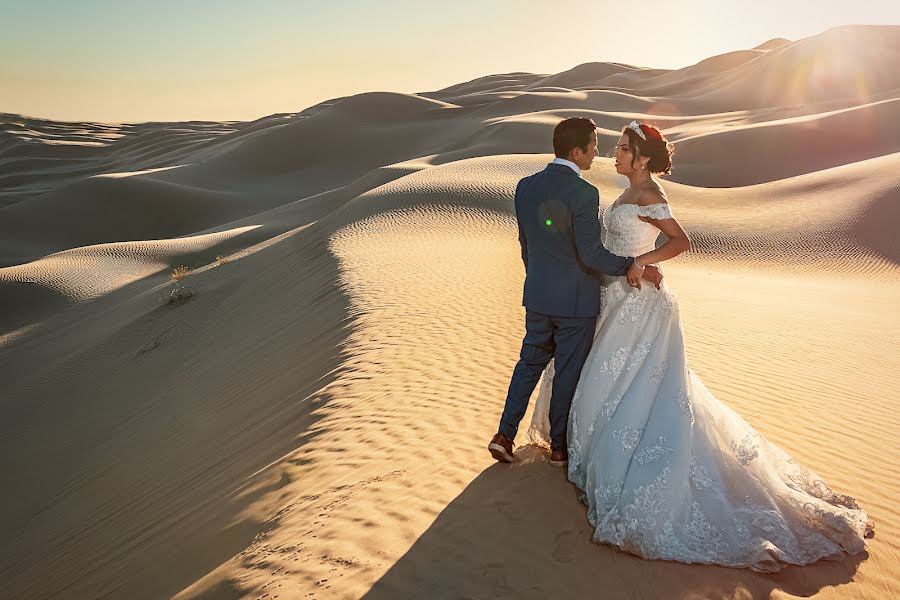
666	470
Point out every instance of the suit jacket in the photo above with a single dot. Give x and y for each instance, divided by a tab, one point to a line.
559	231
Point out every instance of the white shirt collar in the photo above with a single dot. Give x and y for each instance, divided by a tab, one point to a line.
568	163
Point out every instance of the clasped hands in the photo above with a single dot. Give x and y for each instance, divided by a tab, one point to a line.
651	273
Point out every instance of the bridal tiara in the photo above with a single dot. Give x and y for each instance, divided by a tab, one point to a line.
636	127
643	130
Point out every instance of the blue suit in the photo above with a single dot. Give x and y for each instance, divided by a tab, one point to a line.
559	231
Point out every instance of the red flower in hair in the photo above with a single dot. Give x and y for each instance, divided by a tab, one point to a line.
651	132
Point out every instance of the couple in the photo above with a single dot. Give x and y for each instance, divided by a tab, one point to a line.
666	470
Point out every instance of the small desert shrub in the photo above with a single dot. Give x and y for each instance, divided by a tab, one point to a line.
179	273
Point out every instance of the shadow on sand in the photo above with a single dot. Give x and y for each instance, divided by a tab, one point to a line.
520	531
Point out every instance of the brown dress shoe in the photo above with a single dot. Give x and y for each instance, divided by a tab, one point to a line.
501	448
559	458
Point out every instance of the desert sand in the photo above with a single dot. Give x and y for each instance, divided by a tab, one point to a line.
307	415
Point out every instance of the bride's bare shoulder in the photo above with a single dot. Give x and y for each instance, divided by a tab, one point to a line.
652	193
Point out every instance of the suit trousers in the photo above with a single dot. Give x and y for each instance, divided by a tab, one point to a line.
567	340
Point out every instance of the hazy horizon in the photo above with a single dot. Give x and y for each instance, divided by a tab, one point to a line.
107	62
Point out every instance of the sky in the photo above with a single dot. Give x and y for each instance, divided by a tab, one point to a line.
130	61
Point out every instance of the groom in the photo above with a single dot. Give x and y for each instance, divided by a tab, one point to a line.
559	231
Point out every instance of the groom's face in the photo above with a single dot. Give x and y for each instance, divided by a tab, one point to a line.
584	159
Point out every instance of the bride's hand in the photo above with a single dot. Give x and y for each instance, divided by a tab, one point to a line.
634	275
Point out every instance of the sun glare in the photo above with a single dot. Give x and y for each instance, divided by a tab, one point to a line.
834	64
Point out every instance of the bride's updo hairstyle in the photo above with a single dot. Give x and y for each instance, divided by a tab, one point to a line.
655	146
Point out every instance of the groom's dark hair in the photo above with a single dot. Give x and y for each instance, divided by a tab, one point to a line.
572	133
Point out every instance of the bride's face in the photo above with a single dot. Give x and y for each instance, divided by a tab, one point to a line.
624	156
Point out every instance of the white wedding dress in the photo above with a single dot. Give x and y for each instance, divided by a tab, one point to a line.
667	470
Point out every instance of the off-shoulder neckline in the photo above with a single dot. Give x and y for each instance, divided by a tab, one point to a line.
639	205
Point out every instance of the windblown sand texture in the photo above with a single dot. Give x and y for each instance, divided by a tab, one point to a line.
308	416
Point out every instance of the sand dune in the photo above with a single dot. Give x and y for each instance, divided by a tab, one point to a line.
844	62
103	209
306	417
784	148
582	75
38	155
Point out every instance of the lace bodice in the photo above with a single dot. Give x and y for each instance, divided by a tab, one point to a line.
623	233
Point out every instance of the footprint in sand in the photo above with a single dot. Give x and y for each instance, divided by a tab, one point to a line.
509	510
564	550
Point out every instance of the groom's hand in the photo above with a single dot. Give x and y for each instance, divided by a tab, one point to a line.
653	274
